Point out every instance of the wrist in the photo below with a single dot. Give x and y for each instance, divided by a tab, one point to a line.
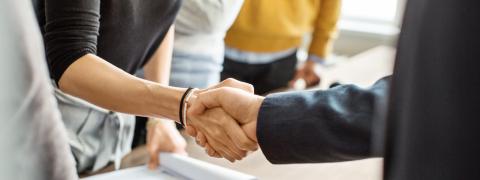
254	117
163	101
257	103
184	105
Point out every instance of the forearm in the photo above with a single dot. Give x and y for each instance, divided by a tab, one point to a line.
101	83
319	126
158	68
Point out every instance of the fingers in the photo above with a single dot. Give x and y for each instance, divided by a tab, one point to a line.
298	75
242	141
225	151
210	128
153	151
161	138
312	79
240	105
153	148
310	75
230	82
201	139
205	100
225	146
211	152
154	161
219	149
191	131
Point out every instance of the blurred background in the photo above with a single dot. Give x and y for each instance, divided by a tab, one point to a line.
367	24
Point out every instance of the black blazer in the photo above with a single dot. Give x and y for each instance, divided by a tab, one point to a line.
319	126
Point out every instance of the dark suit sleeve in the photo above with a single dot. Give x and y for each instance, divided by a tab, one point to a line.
70	32
319	126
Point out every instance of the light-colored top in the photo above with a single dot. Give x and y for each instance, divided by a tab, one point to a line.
198	50
201	26
33	141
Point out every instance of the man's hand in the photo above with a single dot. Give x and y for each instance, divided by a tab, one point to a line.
233	83
163	137
307	73
243	108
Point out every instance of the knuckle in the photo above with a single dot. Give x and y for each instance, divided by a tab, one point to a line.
230	80
190	114
243	154
216	132
250	88
190	131
222	90
244	144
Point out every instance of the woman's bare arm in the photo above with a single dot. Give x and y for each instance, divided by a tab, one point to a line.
101	83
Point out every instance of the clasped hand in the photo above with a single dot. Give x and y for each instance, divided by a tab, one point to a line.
223	119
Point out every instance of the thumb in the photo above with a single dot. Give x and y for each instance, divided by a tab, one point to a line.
230	82
205	100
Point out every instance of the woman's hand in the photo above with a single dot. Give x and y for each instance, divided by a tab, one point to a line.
223	133
163	137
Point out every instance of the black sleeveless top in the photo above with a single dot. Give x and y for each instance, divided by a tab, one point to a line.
125	33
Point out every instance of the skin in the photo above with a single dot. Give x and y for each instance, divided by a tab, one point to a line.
209	123
241	106
162	135
307	73
103	84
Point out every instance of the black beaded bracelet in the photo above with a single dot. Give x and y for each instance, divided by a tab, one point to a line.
182	101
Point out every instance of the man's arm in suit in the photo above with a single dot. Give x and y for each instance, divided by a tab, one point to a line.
296	127
319	126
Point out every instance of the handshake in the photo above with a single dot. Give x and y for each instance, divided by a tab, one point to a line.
223	119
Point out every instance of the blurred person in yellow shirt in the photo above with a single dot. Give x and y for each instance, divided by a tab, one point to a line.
262	44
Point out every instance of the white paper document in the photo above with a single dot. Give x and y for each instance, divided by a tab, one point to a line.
175	167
